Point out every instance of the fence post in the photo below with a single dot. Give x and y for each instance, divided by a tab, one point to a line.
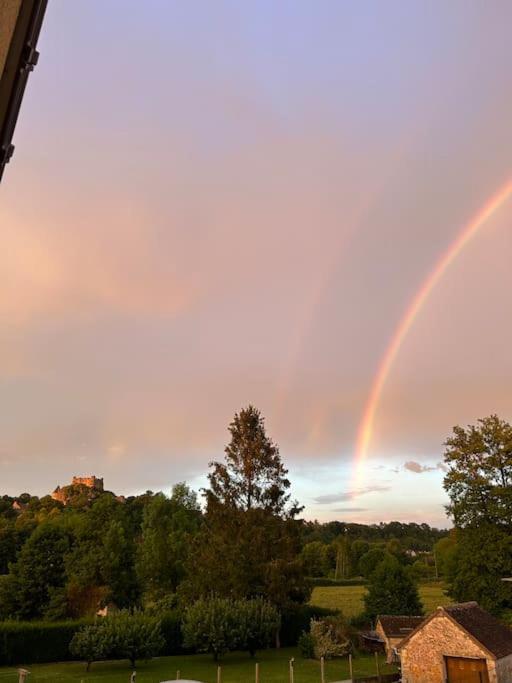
219	675
23	673
257	672
350	668
322	670
377	665
178	675
291	670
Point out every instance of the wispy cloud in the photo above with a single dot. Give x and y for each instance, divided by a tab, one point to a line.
350	495
350	510
418	468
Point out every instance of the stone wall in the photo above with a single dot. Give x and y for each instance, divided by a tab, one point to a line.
422	657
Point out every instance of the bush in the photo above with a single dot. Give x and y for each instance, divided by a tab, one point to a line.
133	636
90	644
259	622
330	637
210	626
36	642
306	645
125	635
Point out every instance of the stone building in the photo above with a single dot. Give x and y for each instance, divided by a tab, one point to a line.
95	484
458	644
391	630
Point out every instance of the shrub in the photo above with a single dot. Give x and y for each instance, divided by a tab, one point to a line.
90	644
330	637
210	626
306	645
124	635
133	636
259	621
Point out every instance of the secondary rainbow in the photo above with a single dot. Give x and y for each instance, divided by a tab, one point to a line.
365	429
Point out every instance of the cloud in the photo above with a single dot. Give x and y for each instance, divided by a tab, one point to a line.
418	468
350	495
350	510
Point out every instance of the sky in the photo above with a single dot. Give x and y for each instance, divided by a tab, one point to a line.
217	204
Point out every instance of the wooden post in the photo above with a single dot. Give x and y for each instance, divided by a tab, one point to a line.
133	677
350	668
219	675
322	670
257	673
23	673
377	665
291	670
178	675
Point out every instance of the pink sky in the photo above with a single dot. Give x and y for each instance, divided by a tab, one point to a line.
214	206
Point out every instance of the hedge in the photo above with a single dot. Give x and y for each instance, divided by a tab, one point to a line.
31	642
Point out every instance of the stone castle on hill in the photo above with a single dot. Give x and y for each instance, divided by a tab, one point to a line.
95	484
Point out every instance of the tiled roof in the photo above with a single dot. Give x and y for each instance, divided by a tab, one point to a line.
491	633
398	626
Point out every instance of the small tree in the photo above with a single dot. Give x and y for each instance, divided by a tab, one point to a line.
134	636
259	622
209	625
90	644
391	590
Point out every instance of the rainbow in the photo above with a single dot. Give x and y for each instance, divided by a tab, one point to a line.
366	424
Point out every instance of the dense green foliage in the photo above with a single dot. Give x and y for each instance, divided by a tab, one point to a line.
125	635
391	590
479	484
220	625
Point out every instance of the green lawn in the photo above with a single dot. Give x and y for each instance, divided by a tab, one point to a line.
349	599
236	668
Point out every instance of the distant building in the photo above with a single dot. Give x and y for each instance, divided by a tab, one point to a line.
95	484
458	643
392	630
17	506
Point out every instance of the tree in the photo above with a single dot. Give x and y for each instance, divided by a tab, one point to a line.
315	558
249	543
168	526
210	625
39	569
482	557
479	477
479	484
391	591
258	621
369	561
134	635
252	475
90	644
444	554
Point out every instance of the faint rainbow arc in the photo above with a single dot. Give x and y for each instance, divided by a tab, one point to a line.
366	424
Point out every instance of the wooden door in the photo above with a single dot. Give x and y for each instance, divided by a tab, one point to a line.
461	670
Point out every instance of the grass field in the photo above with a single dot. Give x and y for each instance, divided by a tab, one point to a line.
349	599
236	668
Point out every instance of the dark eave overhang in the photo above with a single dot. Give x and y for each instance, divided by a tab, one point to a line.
21	57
